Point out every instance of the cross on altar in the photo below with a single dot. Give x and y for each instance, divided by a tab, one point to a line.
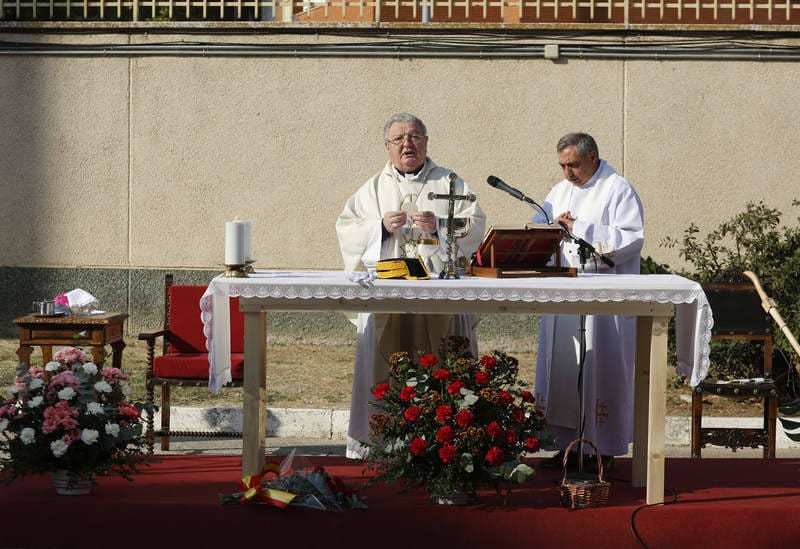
449	270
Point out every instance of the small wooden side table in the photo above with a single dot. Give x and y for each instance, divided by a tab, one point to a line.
96	331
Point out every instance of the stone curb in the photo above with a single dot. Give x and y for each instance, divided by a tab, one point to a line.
332	424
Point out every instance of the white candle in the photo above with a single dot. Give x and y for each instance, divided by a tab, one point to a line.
234	243
248	240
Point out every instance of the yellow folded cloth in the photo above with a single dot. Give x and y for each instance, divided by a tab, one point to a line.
410	268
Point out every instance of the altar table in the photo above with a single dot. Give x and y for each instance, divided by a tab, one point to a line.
653	299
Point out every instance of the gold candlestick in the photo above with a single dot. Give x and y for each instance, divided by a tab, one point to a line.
235	271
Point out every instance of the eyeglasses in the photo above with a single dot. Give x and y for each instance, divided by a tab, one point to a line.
400	139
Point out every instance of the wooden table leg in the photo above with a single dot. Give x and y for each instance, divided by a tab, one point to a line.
650	406
254	429
116	353
98	353
24	353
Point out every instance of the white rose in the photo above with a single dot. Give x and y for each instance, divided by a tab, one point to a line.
59	447
90	368
52	366
27	435
35	383
112	429
3	424
95	408
66	393
35	401
102	387
89	436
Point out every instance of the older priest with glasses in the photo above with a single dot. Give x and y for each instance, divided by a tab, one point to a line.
382	220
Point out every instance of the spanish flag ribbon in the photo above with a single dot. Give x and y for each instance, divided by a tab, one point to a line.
251	484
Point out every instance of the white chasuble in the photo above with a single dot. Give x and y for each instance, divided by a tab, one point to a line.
609	216
362	244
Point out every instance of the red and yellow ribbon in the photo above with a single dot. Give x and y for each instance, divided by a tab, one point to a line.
251	484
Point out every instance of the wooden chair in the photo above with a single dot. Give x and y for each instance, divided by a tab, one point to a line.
184	358
738	314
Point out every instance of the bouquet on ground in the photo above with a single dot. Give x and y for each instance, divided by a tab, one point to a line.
295	482
71	415
455	424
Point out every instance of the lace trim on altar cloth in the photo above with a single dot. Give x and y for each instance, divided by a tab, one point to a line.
693	313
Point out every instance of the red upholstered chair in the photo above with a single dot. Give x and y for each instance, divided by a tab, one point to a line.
184	358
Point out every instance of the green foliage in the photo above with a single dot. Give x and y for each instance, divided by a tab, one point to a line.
753	240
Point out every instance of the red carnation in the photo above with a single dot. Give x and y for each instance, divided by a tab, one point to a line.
418	446
464	418
412	413
527	396
407	393
441	374
511	437
504	397
428	361
494	430
455	387
495	456
532	444
381	390
445	435
489	362
447	453
481	378
444	414
518	414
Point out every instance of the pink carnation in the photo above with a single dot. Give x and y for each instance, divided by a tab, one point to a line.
69	355
60	416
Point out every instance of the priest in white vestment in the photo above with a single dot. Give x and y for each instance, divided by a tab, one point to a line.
597	205
382	220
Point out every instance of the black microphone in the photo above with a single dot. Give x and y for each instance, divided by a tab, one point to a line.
585	245
498	183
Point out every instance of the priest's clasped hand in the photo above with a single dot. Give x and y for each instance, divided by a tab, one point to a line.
424	221
394	221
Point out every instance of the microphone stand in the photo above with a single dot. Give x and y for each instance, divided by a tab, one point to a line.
585	250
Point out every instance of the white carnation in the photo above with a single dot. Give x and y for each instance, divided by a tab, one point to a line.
59	447
27	435
95	408
52	366
125	387
35	401
35	383
102	387
66	393
90	368
112	429
3	424
89	436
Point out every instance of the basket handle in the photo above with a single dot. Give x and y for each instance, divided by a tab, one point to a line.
580	458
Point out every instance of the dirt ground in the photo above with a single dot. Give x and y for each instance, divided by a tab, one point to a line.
320	376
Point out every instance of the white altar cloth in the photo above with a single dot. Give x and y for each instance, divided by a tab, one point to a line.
693	320
653	299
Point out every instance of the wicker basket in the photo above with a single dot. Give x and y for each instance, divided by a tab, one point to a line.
580	490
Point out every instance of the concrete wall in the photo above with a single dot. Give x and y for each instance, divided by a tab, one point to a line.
128	167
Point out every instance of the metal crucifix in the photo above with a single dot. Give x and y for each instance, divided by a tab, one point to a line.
449	270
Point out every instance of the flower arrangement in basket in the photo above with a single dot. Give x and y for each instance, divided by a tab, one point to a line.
454	425
71	415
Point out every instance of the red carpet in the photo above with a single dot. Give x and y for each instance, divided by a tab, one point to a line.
174	503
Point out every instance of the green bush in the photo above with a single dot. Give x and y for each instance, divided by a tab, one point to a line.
753	240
